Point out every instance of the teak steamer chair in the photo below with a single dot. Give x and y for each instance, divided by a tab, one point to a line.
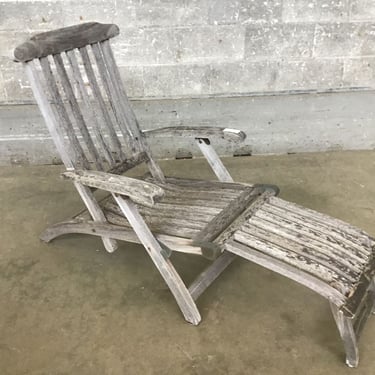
78	88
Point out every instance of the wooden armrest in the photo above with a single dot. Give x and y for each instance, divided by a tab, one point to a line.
233	135
141	192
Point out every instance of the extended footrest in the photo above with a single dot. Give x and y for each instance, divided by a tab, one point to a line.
327	255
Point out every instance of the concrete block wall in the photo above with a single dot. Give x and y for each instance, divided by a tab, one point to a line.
192	48
213	62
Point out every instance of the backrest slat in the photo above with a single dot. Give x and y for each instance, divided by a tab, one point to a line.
76	111
105	118
89	108
49	115
62	114
126	109
114	99
78	87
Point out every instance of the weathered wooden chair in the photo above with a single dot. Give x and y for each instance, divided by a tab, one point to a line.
78	88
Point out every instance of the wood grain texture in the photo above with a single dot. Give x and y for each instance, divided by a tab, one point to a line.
197	132
104	117
64	39
123	233
77	113
90	109
213	160
139	191
328	249
165	267
63	121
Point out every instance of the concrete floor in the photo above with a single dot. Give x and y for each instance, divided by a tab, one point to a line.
71	308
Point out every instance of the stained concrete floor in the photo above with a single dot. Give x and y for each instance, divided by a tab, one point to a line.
71	308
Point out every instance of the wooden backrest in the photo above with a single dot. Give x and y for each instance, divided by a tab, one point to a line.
78	88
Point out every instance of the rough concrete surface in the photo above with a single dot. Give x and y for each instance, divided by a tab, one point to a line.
273	124
71	308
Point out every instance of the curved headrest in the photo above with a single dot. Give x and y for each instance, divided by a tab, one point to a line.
64	39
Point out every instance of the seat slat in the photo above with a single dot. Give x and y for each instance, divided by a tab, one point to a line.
299	261
90	110
297	248
195	202
214	191
342	249
324	219
183	183
77	114
171	227
286	269
333	232
168	211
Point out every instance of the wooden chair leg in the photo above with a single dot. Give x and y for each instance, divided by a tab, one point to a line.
96	213
348	336
183	298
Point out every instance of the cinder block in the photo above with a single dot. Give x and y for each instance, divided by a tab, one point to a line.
258	11
241	78
279	40
210	44
31	15
167	12
15	83
315	10
346	39
224	11
359	72
310	74
74	12
146	46
362	10
175	80
132	78
9	40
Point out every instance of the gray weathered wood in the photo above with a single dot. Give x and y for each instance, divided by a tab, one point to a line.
290	228
238	222
226	216
49	115
90	109
129	163
213	160
197	132
209	275
105	119
358	235
77	114
345	327
165	267
114	98
65	39
95	212
285	269
299	247
327	255
78	156
177	244
139	191
132	126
